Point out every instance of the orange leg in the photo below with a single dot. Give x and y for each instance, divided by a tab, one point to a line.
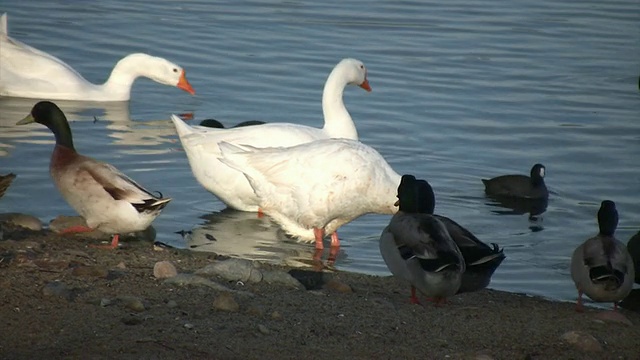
113	245
76	229
414	298
319	235
260	213
335	242
615	306
579	306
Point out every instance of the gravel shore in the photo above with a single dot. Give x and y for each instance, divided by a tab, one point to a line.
63	299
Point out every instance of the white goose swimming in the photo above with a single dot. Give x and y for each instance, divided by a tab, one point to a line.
229	185
30	73
601	267
312	189
417	247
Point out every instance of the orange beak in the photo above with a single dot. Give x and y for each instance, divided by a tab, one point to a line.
184	84
365	85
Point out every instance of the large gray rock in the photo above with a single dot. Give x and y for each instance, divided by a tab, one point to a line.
233	269
22	220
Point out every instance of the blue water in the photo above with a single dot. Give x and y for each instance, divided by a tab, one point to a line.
461	90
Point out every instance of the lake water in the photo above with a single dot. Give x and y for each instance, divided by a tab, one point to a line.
461	90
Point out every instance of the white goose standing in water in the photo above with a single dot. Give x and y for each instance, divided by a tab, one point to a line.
230	185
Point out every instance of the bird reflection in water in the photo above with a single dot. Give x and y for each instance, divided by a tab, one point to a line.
246	235
515	206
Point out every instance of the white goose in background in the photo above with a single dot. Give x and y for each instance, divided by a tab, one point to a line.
229	185
30	73
312	189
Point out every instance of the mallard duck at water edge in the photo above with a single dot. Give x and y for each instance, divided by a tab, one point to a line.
481	260
417	247
106	198
601	267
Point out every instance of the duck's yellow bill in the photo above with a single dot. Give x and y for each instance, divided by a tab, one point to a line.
27	120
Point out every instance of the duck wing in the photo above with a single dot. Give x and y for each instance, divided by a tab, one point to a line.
122	187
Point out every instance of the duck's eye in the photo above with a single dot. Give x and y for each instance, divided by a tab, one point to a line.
175	70
361	66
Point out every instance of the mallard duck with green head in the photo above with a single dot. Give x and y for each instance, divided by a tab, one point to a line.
106	198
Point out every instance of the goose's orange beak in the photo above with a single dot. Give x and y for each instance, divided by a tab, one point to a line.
365	85
184	84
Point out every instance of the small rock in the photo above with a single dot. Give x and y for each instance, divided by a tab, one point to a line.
281	278
132	303
263	329
226	302
57	289
172	304
164	270
276	315
121	265
188	326
22	220
104	302
254	310
233	269
95	271
337	285
582	341
614	317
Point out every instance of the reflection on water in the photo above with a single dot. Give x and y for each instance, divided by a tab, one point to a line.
14	109
245	235
504	205
116	116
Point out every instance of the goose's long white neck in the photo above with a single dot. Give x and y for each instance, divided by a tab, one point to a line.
337	121
126	71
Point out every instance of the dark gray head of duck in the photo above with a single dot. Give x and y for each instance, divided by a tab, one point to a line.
50	115
415	196
537	174
212	123
607	218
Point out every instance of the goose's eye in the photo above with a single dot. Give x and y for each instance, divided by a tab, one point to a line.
361	66
175	70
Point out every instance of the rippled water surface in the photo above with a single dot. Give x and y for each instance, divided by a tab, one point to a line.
461	90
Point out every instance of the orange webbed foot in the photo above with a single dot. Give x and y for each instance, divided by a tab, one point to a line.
112	246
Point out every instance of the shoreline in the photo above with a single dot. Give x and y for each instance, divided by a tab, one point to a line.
64	299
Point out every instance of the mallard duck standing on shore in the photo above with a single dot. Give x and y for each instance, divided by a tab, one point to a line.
107	199
481	260
601	267
417	247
